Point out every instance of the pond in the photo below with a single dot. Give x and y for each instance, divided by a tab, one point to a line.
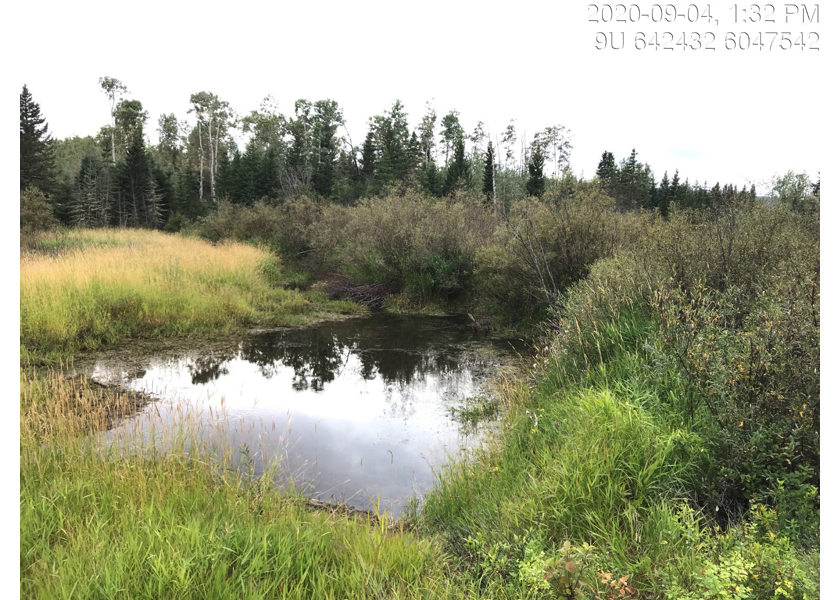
354	410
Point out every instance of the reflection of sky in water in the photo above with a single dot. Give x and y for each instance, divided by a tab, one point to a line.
356	408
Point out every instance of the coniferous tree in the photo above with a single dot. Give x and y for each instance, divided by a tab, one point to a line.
37	156
664	196
678	190
459	174
716	196
536	177
369	159
93	194
633	183
489	187
415	156
606	169
139	200
392	137
430	179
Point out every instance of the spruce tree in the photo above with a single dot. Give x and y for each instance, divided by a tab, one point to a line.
664	195
92	195
489	187
458	175
37	160
369	158
536	178
606	168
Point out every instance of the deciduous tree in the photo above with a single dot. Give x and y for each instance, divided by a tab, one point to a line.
114	90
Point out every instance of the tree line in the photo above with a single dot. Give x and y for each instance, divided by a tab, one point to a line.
117	178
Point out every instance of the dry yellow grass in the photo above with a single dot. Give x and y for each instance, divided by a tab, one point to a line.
103	285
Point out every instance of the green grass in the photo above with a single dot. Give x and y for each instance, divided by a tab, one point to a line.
599	452
475	410
142	522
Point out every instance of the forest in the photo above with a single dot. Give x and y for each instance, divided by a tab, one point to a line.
661	438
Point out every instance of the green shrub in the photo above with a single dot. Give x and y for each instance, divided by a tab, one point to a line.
409	242
755	363
240	223
753	561
36	213
544	247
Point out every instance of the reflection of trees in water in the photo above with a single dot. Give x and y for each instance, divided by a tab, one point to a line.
396	349
205	369
317	355
403	366
314	360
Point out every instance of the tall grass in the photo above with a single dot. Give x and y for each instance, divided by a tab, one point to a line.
99	286
123	517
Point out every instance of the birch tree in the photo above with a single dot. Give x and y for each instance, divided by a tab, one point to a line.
214	116
114	90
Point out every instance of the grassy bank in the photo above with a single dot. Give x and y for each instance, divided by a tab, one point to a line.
92	287
183	524
668	433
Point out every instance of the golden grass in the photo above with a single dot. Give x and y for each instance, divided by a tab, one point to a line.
103	285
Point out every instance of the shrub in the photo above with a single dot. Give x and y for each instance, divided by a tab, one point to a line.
239	223
542	248
410	243
36	214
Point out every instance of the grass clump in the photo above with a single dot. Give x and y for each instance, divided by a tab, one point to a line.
476	409
112	284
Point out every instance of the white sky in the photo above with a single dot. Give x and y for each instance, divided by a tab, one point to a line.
733	116
722	115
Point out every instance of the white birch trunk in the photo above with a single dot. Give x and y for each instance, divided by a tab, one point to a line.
200	163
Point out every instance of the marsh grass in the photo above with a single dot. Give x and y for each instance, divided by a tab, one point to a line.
106	285
130	516
476	409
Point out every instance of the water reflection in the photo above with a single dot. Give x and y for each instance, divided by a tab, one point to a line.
358	408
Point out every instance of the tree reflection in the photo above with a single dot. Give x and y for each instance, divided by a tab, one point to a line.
395	349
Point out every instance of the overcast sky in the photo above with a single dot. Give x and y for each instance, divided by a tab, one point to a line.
716	115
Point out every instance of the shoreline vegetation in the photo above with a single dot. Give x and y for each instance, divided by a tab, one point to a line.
84	288
664	442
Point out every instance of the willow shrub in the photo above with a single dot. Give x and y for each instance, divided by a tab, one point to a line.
541	248
725	318
410	243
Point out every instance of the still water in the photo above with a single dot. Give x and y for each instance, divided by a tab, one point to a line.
355	410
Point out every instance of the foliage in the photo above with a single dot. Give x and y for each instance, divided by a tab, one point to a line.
37	153
756	368
108	515
753	561
536	177
542	248
489	181
410	243
36	214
